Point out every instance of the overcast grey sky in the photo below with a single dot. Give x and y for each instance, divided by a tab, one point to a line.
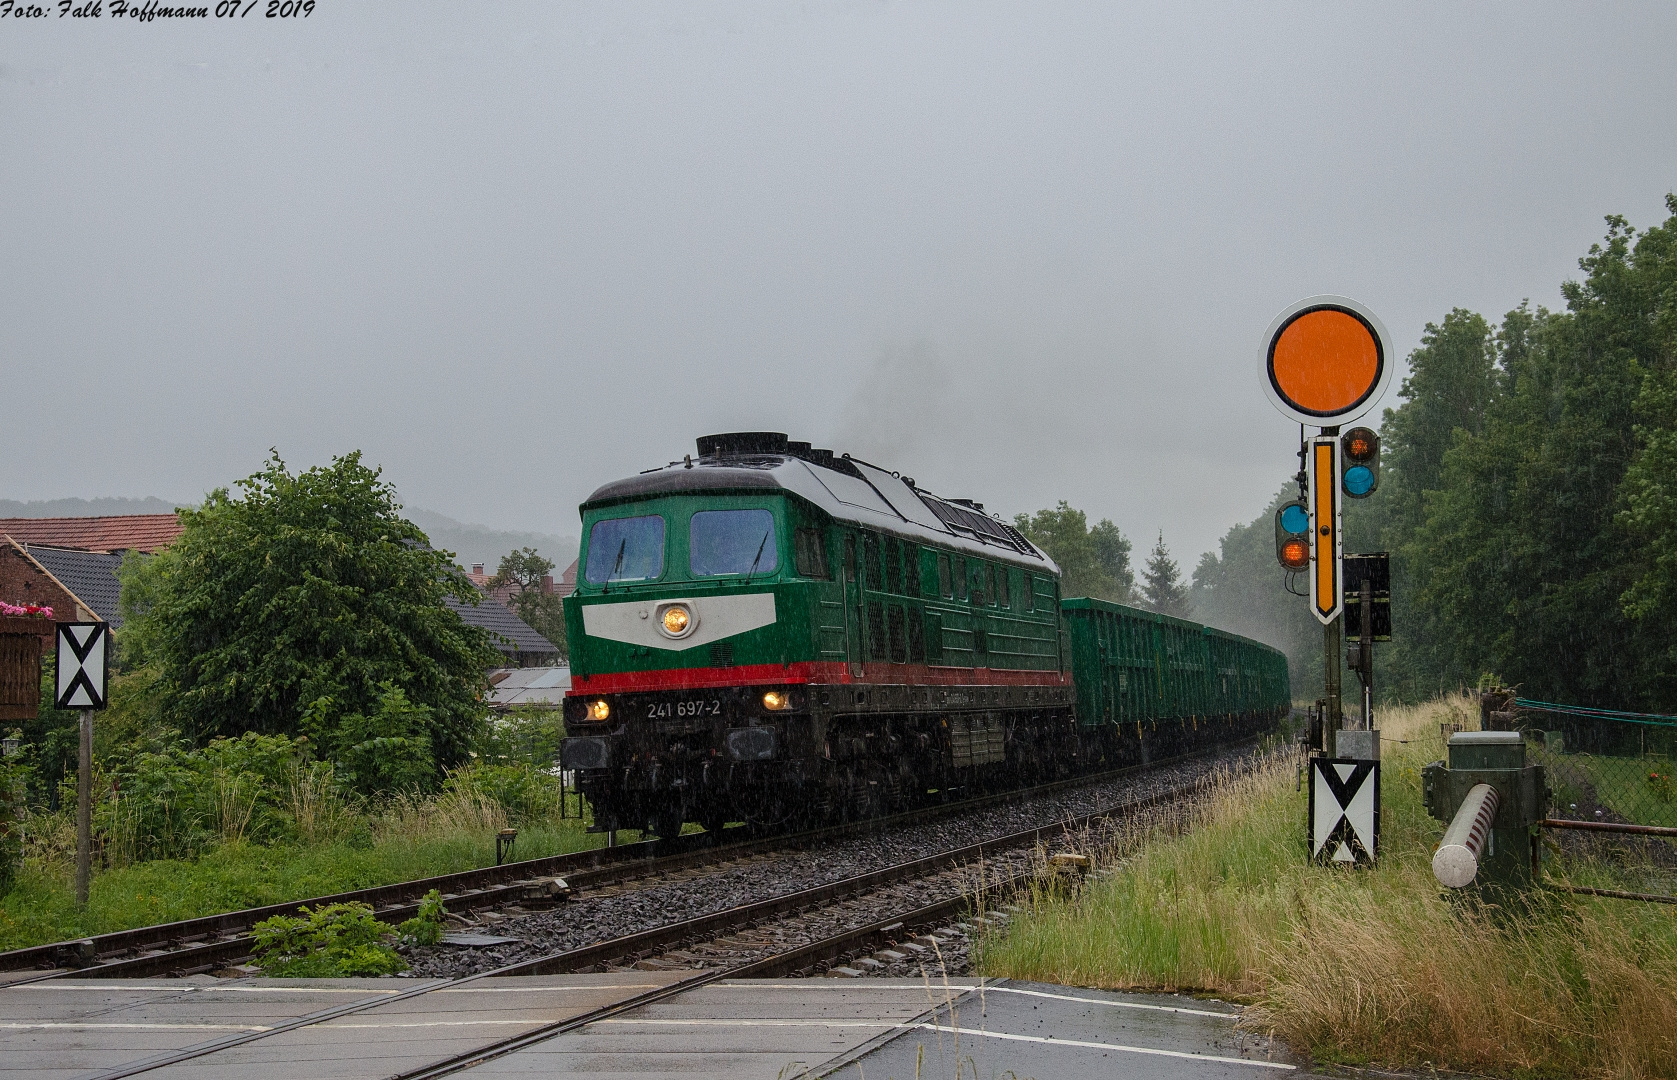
1021	252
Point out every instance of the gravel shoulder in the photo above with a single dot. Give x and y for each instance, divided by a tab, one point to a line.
588	919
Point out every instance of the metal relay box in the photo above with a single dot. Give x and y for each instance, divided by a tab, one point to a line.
1498	759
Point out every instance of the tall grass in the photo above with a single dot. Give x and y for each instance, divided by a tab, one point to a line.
334	845
1361	966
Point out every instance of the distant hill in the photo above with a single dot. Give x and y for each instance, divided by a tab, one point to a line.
479	543
470	543
43	508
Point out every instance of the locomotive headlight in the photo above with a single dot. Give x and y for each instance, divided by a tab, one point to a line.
777	701
599	710
676	620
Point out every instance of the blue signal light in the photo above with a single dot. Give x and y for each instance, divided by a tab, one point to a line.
1358	480
1294	519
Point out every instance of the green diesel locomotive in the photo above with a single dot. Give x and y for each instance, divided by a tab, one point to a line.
772	633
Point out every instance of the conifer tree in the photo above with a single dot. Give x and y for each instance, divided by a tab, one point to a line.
1162	587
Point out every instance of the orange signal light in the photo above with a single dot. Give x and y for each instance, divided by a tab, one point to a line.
1295	554
1359	444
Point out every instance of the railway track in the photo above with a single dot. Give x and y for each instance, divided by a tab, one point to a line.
204	944
907	906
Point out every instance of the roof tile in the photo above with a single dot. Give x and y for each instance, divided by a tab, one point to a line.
124	532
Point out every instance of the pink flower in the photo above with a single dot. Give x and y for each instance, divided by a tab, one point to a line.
25	609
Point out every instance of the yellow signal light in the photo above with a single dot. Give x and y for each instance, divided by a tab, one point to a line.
777	701
599	710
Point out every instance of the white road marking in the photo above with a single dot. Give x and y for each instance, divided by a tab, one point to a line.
550	989
438	1023
1114	1004
107	988
82	1026
836	984
1105	1046
1120	1047
741	1022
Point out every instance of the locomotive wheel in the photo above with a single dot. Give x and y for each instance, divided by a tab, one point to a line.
665	824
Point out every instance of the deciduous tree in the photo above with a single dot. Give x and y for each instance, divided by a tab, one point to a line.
1093	561
543	611
304	588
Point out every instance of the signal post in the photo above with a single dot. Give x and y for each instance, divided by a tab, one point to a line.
1326	362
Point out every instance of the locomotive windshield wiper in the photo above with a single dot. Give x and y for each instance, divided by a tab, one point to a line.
616	567
760	546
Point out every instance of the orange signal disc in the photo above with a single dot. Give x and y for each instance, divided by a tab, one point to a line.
1325	361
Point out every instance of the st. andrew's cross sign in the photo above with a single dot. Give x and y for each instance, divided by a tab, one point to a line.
1344	810
83	665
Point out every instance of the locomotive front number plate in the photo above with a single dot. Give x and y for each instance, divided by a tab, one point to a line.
663	710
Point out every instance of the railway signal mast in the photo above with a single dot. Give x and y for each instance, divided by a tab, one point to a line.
1326	361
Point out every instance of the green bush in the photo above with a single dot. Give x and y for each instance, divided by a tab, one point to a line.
382	752
526	793
426	928
177	802
336	941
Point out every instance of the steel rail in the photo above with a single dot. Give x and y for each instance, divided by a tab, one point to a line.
644	941
781	963
712	924
828	948
199	944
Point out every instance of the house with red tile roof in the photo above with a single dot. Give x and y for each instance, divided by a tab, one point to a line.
126	532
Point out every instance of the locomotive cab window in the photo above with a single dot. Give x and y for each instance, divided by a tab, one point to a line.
809	554
732	542
1002	598
960	566
945	582
626	549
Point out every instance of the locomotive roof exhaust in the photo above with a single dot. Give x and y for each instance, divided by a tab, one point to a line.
751	443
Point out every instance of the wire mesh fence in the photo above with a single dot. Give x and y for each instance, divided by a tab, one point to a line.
1610	768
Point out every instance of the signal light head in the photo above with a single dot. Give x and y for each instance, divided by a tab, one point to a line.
1360	467
1292	536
